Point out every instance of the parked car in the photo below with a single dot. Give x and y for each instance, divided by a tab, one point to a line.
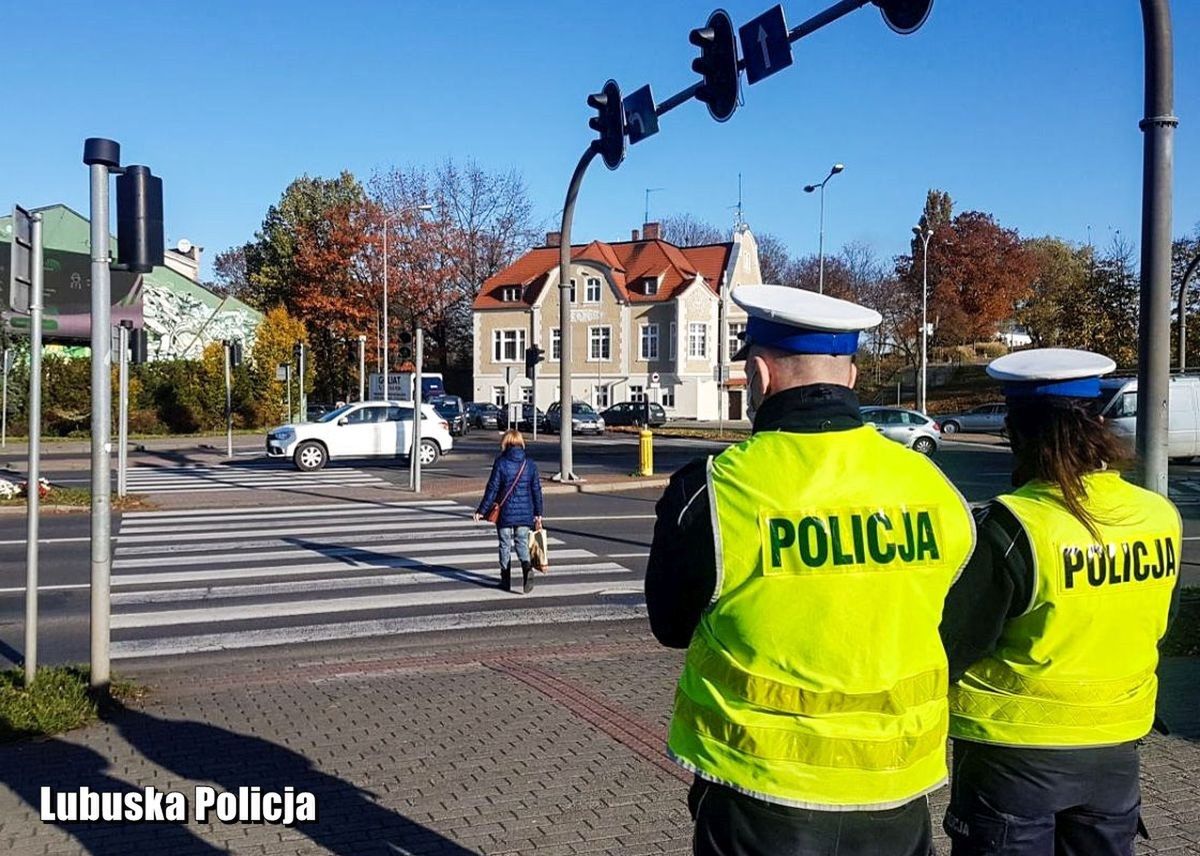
525	422
451	408
984	419
1118	405
635	413
316	411
484	414
365	429
584	418
908	427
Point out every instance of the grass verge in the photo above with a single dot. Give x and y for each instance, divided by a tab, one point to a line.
80	497
1183	640
58	701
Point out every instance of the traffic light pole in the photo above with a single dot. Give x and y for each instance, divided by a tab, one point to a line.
122	406
414	453
33	493
227	346
566	469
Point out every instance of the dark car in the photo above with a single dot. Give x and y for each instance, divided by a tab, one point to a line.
316	411
635	413
451	408
584	418
483	414
525	423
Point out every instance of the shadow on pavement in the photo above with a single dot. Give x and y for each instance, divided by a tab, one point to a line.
348	818
357	558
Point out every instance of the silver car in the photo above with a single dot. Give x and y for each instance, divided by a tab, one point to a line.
985	419
914	430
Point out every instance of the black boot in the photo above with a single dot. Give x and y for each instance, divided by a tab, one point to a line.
506	578
526	578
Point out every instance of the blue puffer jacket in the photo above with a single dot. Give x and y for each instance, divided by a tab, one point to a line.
525	503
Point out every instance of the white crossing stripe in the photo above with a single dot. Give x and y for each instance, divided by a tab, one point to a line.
203	580
207	479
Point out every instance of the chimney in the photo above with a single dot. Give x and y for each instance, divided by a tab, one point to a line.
553	239
652	231
634	235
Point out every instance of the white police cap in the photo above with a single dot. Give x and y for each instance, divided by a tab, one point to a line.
800	321
1061	372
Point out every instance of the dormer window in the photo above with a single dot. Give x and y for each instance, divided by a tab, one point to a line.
649	285
510	294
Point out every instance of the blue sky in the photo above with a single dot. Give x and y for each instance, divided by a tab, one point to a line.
1028	110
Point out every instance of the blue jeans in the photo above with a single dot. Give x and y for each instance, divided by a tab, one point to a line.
507	533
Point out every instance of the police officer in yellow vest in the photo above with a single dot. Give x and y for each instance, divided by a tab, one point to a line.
805	571
1052	630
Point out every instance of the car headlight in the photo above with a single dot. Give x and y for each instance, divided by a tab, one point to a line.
600	421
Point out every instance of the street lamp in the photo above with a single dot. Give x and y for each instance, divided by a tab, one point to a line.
809	188
924	236
387	223
1183	284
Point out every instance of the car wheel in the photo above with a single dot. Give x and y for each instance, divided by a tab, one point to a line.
924	445
429	452
950	427
310	456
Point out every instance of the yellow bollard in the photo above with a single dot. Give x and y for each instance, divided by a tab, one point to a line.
646	448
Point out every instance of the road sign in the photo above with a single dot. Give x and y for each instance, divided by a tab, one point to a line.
765	45
654	379
904	16
20	269
283	371
641	120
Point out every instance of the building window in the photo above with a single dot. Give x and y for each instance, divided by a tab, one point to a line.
697	340
592	294
666	397
649	342
508	346
735	344
599	344
600	396
674	339
510	294
572	298
527	395
499	397
555	344
637	393
650	285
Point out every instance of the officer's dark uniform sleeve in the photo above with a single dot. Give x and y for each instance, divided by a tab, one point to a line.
681	576
996	585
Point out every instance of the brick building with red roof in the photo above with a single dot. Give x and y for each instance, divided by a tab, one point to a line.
648	320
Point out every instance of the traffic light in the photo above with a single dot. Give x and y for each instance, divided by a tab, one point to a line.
298	351
139	220
609	123
137	346
904	16
235	353
533	356
717	64
406	351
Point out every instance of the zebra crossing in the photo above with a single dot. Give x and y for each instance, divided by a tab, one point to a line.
267	475
212	580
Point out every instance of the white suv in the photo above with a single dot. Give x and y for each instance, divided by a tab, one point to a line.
365	429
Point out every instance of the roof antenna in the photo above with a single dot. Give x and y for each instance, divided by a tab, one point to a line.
646	211
738	220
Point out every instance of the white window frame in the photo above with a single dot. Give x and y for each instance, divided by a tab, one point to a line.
600	334
648	335
500	341
666	397
734	344
499	396
527	394
593	282
637	393
701	352
555	344
510	294
602	396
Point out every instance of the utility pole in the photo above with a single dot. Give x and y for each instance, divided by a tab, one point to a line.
809	188
1183	284
226	347
922	389
414	455
34	492
123	406
362	368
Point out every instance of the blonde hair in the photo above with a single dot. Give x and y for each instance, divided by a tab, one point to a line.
512	437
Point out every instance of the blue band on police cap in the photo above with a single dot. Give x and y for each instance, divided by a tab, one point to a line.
786	337
1080	387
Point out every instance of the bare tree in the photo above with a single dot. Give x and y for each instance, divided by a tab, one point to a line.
684	230
231	276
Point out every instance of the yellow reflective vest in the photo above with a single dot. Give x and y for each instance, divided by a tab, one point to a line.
1077	667
816	678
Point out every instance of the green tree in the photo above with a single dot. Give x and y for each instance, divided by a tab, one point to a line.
277	336
1061	274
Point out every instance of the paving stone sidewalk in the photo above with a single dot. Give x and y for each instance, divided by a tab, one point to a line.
549	746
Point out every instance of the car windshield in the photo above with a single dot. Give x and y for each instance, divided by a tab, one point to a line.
446	407
580	407
333	415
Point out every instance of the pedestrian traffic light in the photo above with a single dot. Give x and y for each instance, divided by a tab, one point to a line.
235	353
137	346
609	123
533	356
406	351
139	220
717	64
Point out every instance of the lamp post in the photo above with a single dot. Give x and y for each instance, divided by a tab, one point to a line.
809	188
924	236
1183	284
387	225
